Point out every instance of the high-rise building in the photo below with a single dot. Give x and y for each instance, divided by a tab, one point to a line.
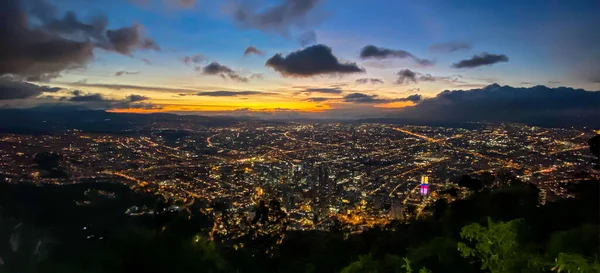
424	190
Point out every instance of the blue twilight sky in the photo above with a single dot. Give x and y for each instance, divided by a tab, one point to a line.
553	43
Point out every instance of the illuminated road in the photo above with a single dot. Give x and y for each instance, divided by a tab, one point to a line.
580	147
443	142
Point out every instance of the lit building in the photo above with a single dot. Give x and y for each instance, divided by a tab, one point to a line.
424	185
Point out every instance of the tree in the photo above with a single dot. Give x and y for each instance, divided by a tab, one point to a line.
470	183
574	263
497	247
389	264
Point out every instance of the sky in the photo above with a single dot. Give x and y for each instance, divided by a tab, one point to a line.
316	58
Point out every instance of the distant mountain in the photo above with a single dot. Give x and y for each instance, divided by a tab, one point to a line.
46	120
537	105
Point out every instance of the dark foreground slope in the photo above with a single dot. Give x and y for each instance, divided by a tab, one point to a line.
47	229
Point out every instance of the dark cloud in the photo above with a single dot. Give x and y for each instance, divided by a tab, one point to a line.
42	50
307	38
553	82
534	105
217	69
324	90
363	98
309	91
11	89
311	61
193	60
369	80
528	83
318	99
481	60
131	87
405	76
232	93
136	98
449	47
98	101
278	18
146	61
373	52
96	97
124	40
414	98
374	99
123	72
257	76
426	78
252	50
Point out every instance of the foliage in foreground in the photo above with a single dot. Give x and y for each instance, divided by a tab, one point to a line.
500	230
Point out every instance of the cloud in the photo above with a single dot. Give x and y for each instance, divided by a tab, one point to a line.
309	91
553	82
369	80
324	90
41	51
215	68
96	97
318	99
373	52
136	98
252	50
126	86
98	101
481	60
257	76
374	99
405	76
11	89
528	83
414	98
427	78
146	61
124	40
307	38
534	105
122	72
193	60
362	98
277	18
232	93
311	61
449	47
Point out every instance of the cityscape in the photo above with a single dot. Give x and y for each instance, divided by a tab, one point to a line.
299	136
363	175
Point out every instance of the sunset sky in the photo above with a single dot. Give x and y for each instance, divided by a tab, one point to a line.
351	57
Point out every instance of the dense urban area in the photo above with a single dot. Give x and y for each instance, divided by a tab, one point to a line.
361	174
274	196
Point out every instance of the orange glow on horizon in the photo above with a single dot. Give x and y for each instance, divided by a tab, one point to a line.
280	107
396	104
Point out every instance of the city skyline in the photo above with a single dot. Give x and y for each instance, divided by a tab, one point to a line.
306	59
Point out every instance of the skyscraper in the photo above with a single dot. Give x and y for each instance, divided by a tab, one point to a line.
424	185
